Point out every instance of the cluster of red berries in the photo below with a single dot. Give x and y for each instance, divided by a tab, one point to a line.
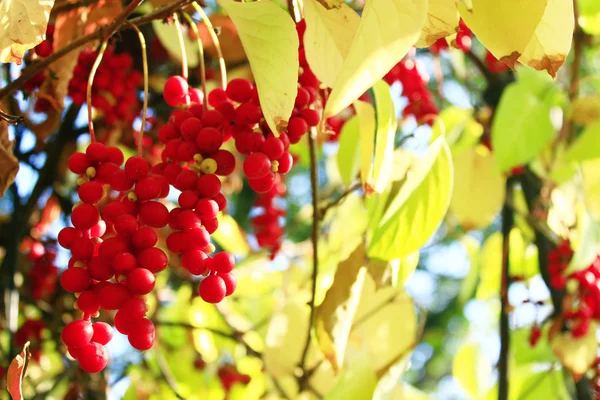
31	331
113	90
191	161
267	224
585	300
46	46
493	64
414	88
113	253
229	375
43	275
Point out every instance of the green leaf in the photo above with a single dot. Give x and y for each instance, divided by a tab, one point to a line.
521	127
167	34
387	30
387	123
230	236
348	155
458	126
587	145
357	382
471	370
417	210
576	354
523	353
469	284
270	41
333	317
589	245
366	121
328	38
403	268
590	170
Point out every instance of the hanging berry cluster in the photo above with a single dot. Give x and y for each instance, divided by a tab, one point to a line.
584	305
43	275
414	88
114	89
266	224
31	331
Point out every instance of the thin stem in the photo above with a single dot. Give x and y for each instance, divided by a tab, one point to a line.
480	66
184	63
507	224
314	183
215	39
145	70
37	66
194	28
335	202
89	87
11	119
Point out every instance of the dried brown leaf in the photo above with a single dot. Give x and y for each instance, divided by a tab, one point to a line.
9	165
16	371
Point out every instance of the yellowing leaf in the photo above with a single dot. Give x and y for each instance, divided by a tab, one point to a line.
270	40
587	145
403	268
442	21
521	127
551	42
591	186
458	126
387	123
504	27
418	208
471	370
348	155
328	37
333	317
576	354
478	188
585	109
167	34
22	27
9	165
387	30
589	244
358	382
230	236
15	373
366	121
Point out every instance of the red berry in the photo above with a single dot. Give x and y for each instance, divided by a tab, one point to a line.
140	281
78	163
187	199
149	187
225	162
230	283
96	152
75	280
135	307
85	216
208	186
77	333
103	333
153	259
136	168
67	236
125	225
209	140
123	321
239	90
273	148
248	114
175	91
188	219
257	165
199	237
207	209
124	263
297	127
91	192
87	302
141	335
144	238
194	261
112	295
264	184
223	262
154	214
115	155
216	97
83	249
92	358
190	128
285	163
212	289
120	181
112	246
99	269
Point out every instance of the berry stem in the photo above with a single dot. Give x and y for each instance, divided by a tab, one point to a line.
201	55
145	70
184	63
90	82
215	39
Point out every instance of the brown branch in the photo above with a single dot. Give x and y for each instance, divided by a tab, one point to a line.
69	6
116	26
480	66
335	202
314	172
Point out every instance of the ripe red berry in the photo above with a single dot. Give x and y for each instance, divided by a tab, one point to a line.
83	249
91	192
273	148
199	237
144	238
123	321
311	117
153	259
141	335
225	162
187	199
302	98
149	187
239	90
85	216
135	307
77	333
216	97
209	140
212	289
140	281
75	280
175	91
136	168
109	248
92	358
67	236
208	186
103	333
115	155
188	219
223	262
264	184
123	263
78	163
120	181
297	127
230	283
112	295
190	128
257	165
125	225
194	261
99	269
154	214
207	209
285	163
96	152
88	303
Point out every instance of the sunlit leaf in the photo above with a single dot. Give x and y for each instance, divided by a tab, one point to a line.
576	354
521	127
22	26
403	268
333	317
16	372
230	236
551	42
358	382
471	370
328	38
387	30
442	21
348	155
478	188
458	126
418	208
469	284
524	353
167	34
387	123
366	121
585	109
590	170
9	165
589	244
587	145
270	40
505	28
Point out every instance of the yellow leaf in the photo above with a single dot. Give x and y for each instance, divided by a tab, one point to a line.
478	188
333	317
576	354
9	165
471	370
328	37
504	27
585	109
230	236
387	30
387	123
549	46
167	34
270	40
442	21
591	186
366	121
22	27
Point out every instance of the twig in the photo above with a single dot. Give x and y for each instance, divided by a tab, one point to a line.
69	6
335	202
90	84
480	66
184	63
539	226
215	39
507	224
99	33
314	172
194	28
12	119
145	71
